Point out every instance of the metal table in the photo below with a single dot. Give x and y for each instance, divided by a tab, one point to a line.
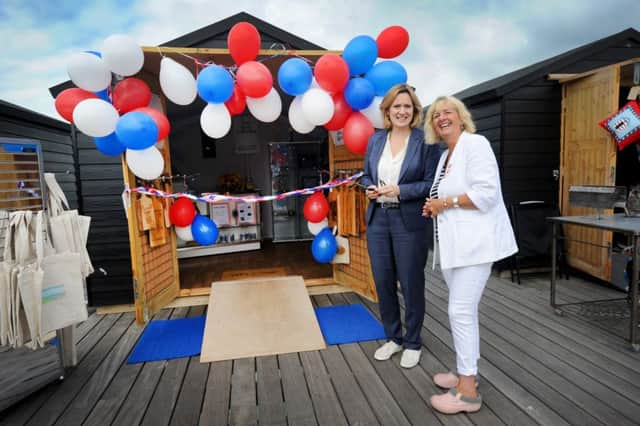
618	223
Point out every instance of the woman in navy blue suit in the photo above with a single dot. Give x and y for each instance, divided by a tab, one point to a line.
398	172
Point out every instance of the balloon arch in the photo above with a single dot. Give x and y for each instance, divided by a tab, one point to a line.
339	92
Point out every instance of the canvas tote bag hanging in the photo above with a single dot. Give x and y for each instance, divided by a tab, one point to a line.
30	274
21	273
5	292
69	230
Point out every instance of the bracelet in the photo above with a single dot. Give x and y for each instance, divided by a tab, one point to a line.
445	203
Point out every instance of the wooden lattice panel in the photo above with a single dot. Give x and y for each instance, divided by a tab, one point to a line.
157	267
357	273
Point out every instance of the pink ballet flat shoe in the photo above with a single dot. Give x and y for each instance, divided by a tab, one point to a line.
453	402
446	380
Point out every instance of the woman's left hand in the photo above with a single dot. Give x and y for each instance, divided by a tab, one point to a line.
435	206
389	190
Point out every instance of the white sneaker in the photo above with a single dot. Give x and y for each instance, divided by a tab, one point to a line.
410	358
385	351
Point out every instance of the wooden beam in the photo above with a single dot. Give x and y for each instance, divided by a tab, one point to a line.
570	77
219	51
561	76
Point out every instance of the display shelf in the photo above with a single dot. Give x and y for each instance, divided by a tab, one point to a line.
239	229
195	251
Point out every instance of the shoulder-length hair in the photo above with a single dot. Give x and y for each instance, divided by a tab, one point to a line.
431	136
391	96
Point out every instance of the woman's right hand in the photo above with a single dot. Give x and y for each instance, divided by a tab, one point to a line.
426	208
372	192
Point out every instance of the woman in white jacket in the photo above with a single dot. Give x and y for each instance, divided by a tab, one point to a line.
472	230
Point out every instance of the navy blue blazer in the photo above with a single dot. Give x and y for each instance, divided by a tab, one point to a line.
416	175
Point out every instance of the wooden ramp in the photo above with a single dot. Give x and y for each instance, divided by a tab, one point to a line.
262	316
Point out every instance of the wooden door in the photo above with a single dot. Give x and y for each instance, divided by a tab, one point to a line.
588	157
357	273
154	264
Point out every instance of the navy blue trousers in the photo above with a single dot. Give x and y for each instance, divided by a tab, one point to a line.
397	254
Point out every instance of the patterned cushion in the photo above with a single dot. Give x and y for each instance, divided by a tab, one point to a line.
624	125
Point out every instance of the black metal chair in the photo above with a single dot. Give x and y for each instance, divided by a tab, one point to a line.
534	237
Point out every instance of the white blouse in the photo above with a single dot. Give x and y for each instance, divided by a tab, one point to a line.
389	167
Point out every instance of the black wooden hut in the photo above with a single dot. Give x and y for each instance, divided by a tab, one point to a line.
520	113
100	177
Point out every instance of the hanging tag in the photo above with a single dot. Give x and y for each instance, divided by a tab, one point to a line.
126	203
158	234
167	206
147	213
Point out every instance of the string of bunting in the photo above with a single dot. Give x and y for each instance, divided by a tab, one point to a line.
215	197
233	68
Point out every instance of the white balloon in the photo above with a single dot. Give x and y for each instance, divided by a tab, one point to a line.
122	54
147	164
317	106
373	113
95	117
266	109
184	232
88	72
177	82
215	120
315	228
297	119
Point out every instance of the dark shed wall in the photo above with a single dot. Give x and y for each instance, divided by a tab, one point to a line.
531	145
101	186
55	139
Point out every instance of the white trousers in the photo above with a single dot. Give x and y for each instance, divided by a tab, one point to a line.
466	285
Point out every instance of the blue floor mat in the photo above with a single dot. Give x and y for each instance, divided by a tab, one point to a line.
348	324
168	339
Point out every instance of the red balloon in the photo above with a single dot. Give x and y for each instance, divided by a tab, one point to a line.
237	102
182	212
316	207
67	100
160	119
255	79
244	42
392	41
131	93
356	133
341	112
332	73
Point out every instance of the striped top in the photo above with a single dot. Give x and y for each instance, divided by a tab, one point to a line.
433	194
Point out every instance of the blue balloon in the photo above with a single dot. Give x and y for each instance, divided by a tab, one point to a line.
104	95
215	84
110	145
204	230
294	76
137	130
385	75
359	93
360	54
324	246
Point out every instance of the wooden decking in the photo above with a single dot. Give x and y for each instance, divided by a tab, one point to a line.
536	368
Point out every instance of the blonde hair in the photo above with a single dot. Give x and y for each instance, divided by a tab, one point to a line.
391	96
431	136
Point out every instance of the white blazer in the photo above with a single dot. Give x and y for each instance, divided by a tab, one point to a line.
469	236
